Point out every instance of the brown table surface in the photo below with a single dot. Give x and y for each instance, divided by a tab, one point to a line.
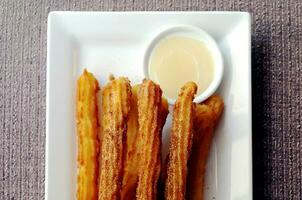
276	76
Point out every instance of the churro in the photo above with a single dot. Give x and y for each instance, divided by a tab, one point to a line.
87	132
206	117
151	117
115	108
180	143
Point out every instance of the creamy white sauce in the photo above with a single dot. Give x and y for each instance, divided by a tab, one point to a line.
177	60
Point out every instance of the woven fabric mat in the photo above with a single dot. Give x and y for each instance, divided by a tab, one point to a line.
276	75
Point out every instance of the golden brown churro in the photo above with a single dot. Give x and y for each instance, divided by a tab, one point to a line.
131	164
151	119
116	97
206	117
180	144
88	145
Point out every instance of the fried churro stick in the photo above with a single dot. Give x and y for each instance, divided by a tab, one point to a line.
131	164
88	145
150	119
180	144
205	120
115	109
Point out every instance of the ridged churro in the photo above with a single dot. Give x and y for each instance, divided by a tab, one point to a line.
115	108
180	143
131	164
151	117
206	117
87	132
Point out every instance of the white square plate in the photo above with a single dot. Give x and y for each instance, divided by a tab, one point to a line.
115	42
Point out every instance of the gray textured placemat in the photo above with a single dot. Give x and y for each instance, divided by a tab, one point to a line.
277	63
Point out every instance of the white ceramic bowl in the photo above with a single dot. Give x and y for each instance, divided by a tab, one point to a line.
195	33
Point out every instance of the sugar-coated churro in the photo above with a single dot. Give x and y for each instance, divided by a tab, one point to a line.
115	108
180	143
206	117
87	132
151	117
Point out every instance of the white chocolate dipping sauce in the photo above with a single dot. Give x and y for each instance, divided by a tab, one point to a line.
178	59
